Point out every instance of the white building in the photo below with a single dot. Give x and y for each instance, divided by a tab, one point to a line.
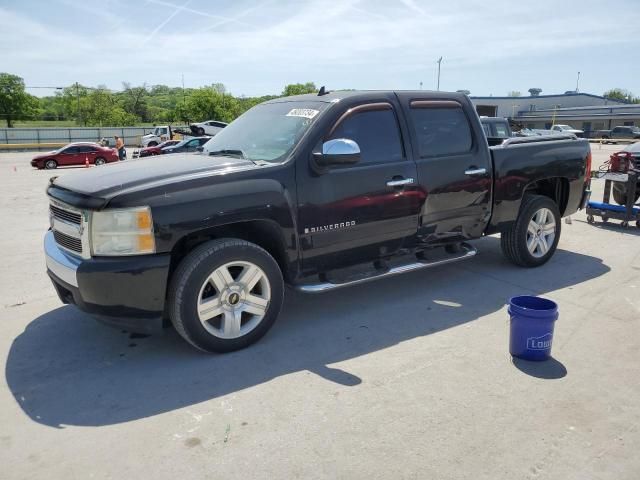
580	110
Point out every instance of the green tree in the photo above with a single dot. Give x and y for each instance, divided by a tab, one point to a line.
299	89
100	108
621	94
134	100
15	102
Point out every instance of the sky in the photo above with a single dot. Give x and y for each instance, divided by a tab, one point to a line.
257	47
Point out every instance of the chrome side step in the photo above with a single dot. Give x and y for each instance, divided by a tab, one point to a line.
468	251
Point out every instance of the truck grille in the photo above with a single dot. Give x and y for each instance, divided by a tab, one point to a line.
69	228
68	242
65	215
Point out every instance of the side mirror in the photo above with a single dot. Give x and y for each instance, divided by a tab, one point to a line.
200	149
339	151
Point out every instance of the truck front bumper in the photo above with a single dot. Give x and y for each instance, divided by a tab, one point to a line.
127	292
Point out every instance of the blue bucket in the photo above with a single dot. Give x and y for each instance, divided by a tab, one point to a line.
532	322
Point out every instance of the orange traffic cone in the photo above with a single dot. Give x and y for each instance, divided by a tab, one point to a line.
86	162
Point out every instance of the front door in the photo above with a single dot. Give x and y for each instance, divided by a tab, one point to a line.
453	168
359	212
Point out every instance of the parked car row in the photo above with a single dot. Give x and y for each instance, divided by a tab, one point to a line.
78	153
81	153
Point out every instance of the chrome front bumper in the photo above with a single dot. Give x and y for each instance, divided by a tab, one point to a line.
59	262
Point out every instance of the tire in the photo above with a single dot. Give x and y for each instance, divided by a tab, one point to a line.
515	241
620	195
201	276
592	220
99	161
50	164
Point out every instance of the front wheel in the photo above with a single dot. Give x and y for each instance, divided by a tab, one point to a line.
50	164
533	238
225	295
100	161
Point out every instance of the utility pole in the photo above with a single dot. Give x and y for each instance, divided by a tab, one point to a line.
577	82
78	103
439	62
184	101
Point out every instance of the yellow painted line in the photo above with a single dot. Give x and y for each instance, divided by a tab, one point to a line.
13	146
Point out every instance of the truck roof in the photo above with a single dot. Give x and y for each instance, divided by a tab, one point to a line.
338	95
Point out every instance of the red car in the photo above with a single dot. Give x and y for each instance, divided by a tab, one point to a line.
154	150
75	154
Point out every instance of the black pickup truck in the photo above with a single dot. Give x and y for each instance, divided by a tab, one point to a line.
315	191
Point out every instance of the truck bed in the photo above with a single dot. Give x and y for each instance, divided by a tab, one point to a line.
523	161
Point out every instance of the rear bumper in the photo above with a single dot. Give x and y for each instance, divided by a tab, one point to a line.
128	292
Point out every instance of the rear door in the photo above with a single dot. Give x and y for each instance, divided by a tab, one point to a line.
354	213
87	152
454	168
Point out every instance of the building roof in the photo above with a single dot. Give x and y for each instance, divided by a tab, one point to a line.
560	95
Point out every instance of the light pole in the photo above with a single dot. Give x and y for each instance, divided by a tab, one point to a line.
439	62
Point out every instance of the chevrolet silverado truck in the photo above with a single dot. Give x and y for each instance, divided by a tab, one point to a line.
316	192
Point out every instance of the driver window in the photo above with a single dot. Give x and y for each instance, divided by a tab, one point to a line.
376	132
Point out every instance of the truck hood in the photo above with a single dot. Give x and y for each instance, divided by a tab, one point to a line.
109	180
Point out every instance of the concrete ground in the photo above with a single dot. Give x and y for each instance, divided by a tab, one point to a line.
408	377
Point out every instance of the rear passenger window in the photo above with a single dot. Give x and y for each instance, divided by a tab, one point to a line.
377	134
441	131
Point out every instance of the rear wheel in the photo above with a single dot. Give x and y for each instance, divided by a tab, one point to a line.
533	238
225	295
50	164
100	161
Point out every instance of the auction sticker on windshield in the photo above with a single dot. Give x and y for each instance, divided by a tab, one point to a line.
303	112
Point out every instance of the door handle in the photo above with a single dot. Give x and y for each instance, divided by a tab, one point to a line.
400	183
475	171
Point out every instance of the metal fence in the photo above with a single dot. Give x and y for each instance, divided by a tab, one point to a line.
130	135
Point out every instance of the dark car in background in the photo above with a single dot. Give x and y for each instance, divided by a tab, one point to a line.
496	129
622	132
155	149
75	154
190	145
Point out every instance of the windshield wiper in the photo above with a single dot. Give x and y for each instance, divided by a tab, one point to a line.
228	153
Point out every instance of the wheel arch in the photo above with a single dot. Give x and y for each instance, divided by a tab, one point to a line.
555	188
267	234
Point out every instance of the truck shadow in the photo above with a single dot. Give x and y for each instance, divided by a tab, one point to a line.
65	369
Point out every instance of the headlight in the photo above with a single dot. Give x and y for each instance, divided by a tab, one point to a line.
122	232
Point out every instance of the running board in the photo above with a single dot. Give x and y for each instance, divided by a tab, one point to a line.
467	252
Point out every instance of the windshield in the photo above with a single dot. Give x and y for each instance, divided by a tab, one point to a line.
267	132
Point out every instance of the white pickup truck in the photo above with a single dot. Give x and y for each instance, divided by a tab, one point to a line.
160	134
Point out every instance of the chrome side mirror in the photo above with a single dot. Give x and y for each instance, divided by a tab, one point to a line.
339	151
